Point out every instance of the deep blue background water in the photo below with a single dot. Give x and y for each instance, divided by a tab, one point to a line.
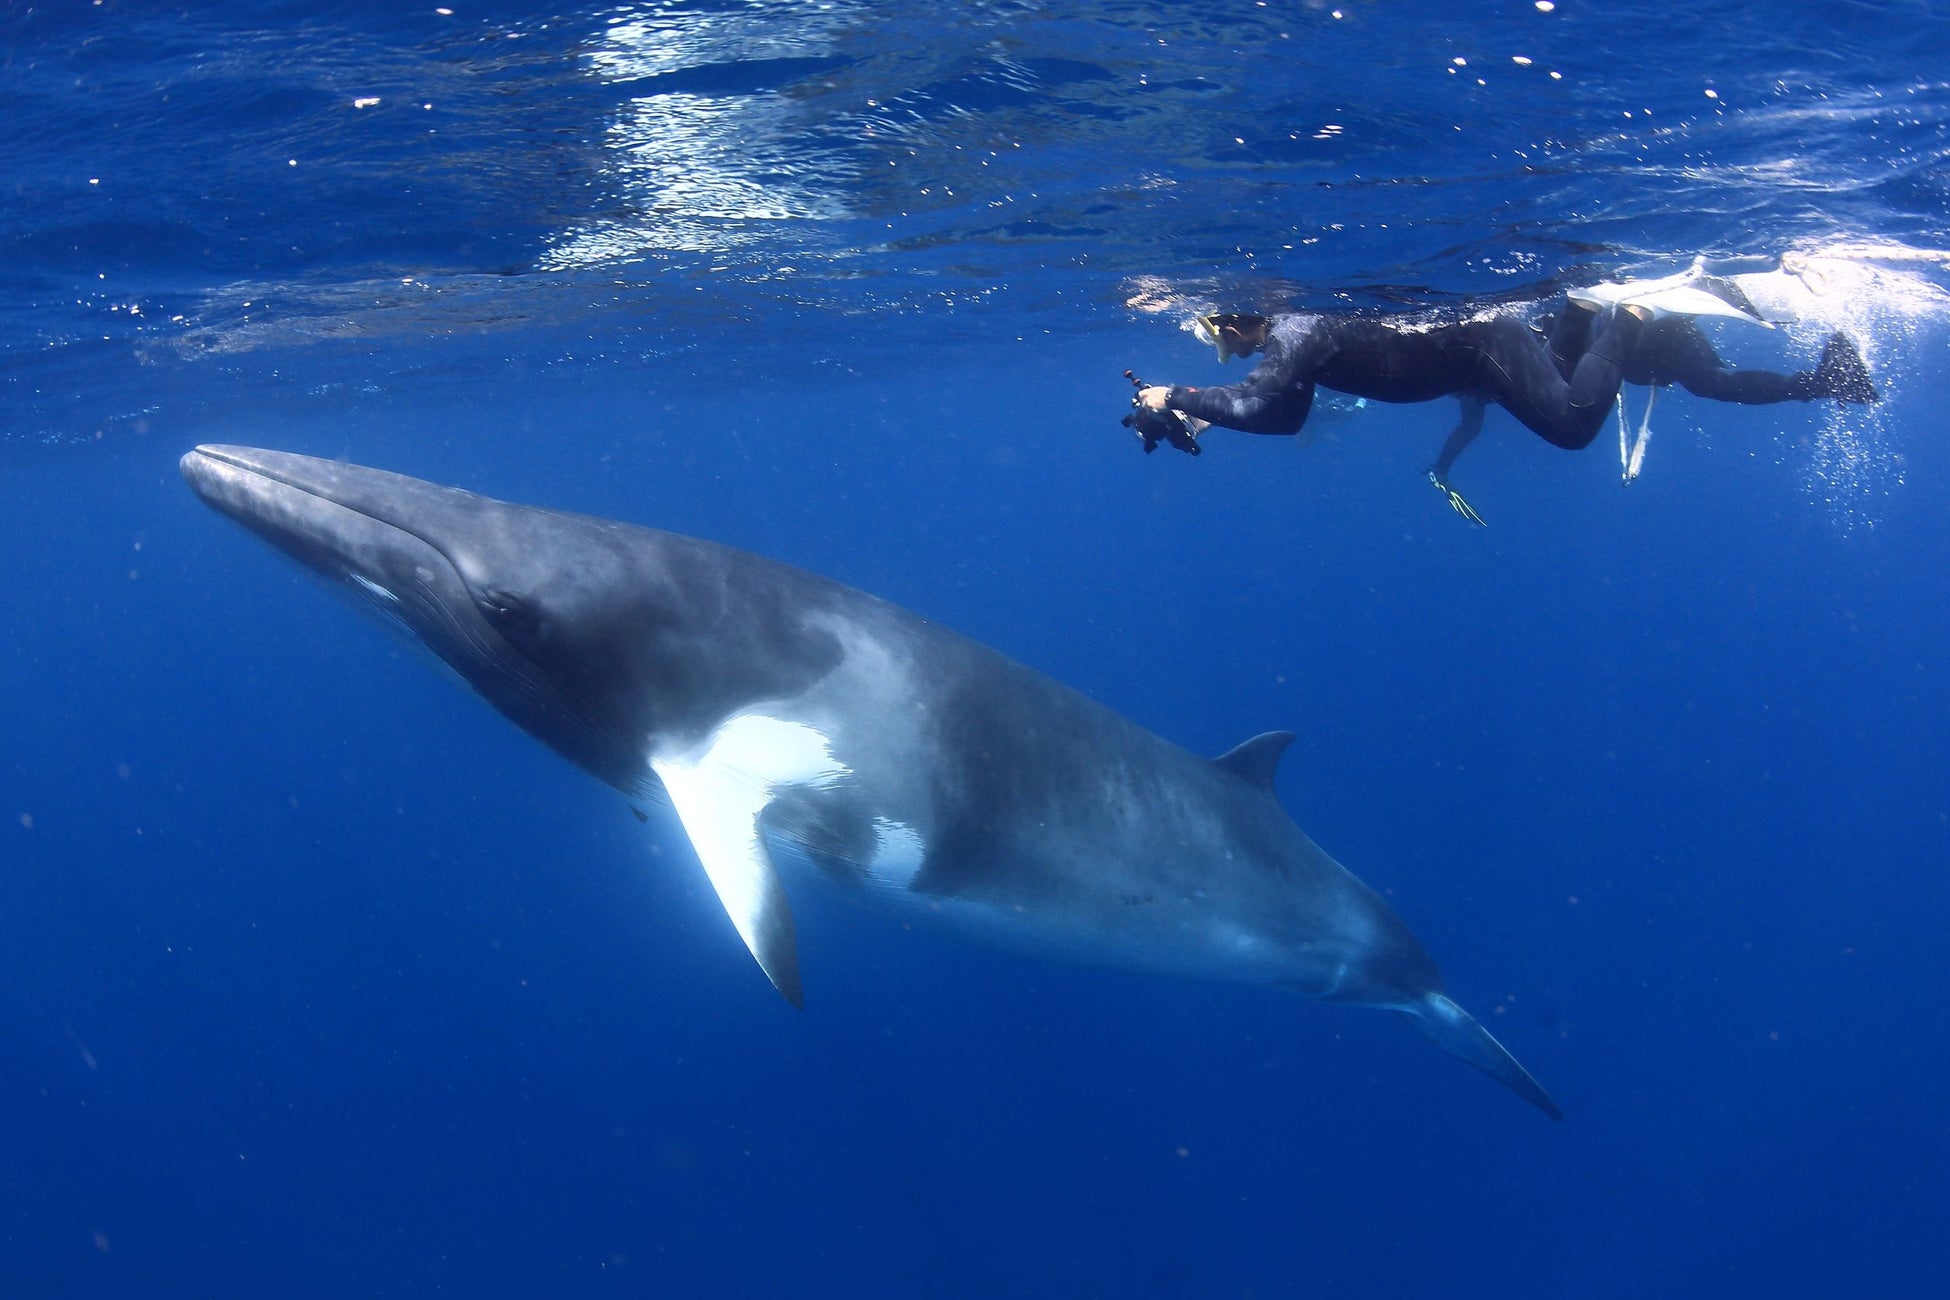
316	978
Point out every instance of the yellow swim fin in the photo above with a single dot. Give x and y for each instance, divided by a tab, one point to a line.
1457	501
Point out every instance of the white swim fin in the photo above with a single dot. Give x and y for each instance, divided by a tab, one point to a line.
1686	294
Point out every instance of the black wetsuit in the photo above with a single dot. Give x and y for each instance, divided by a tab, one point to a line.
1491	355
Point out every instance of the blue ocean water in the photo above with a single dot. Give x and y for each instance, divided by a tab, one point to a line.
318	978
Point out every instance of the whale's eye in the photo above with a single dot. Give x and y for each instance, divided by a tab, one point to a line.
511	615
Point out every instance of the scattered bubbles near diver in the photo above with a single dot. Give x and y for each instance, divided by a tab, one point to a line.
1890	301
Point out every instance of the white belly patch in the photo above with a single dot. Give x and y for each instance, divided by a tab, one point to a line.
757	752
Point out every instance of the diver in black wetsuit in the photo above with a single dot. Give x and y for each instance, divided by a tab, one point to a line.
1491	355
1561	389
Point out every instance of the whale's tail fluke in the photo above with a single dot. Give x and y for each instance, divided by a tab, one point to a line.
1456	1032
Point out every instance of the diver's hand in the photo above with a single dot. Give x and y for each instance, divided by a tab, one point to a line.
1456	501
1153	399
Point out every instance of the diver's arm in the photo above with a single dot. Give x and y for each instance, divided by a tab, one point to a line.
1276	396
1248	407
1232	405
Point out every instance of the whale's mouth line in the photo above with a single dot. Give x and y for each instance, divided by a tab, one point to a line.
223	456
366	543
250	495
267	474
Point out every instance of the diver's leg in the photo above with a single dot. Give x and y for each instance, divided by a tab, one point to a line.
1676	351
1570	335
1747	387
1467	427
1519	374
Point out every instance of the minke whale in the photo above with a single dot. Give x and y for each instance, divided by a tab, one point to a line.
792	721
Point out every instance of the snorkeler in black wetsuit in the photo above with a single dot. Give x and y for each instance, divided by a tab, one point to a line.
1491	355
1561	389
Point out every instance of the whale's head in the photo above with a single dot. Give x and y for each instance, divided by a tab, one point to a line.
601	639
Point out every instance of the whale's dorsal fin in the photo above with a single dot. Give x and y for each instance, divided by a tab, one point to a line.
719	790
1255	761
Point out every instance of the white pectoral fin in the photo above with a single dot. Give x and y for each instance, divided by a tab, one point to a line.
735	859
719	793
